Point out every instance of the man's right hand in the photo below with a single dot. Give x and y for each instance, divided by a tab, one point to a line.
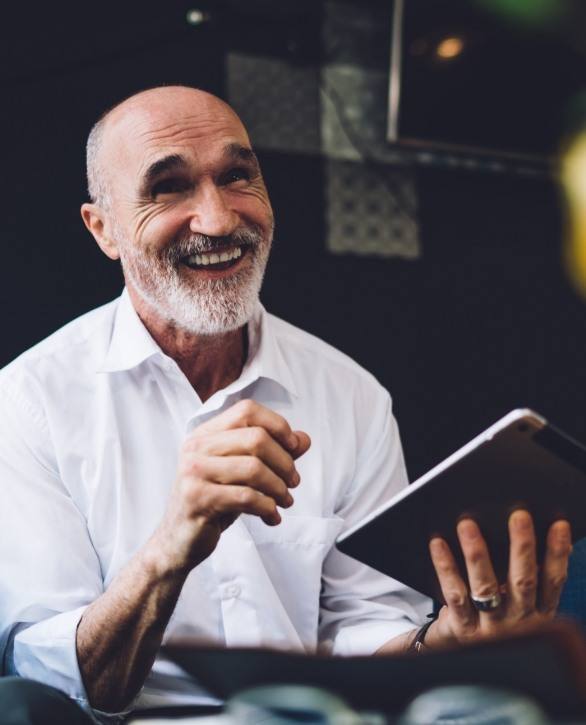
241	461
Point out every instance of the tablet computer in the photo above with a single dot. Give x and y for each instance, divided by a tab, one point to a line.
519	462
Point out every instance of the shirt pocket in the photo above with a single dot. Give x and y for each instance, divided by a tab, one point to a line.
293	554
309	532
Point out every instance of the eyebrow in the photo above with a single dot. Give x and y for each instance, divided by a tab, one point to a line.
172	162
237	152
175	162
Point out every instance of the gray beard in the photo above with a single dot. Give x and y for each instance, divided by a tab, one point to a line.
204	306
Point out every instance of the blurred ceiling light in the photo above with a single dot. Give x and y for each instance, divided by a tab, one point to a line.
573	177
449	48
194	16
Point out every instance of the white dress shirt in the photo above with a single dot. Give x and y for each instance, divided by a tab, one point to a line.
91	422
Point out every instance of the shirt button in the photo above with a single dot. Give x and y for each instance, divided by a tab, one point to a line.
232	591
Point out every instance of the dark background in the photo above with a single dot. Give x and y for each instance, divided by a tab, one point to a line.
483	322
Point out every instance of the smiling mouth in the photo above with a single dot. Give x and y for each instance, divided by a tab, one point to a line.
218	260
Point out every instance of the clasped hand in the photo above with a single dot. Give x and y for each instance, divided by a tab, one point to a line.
241	461
529	598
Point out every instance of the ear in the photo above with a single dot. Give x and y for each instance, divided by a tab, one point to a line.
95	220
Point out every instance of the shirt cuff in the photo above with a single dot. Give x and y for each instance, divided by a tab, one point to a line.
365	638
46	651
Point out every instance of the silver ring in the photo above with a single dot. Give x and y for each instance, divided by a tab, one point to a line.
487	604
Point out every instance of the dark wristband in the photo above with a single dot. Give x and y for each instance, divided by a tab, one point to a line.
417	645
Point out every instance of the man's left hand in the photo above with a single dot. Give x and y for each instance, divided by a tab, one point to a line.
529	598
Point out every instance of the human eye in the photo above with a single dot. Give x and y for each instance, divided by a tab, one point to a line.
169	186
239	173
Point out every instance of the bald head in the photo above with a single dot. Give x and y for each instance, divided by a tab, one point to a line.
178	196
157	107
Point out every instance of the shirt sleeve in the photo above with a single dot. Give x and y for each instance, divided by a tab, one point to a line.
361	608
49	570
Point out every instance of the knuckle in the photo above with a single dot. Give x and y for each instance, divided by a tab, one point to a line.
525	584
202	497
245	408
246	496
194	465
476	555
561	549
456	599
557	581
194	496
184	466
193	442
258	439
444	566
253	467
526	547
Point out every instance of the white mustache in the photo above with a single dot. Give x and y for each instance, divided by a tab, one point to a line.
202	244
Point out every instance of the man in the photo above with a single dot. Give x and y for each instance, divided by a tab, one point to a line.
179	462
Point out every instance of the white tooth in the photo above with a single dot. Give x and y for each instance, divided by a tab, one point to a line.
224	257
238	252
191	260
214	259
205	259
197	259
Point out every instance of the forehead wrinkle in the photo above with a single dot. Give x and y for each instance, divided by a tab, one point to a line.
191	128
193	131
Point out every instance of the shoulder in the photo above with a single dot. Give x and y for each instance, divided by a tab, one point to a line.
67	355
312	359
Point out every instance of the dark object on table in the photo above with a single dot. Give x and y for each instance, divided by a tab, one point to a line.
549	666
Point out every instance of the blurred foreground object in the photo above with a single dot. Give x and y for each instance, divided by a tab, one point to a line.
547	667
289	704
573	177
472	705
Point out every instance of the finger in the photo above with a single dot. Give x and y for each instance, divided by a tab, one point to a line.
555	565
453	588
219	501
303	444
249	442
249	413
481	576
238	471
522	582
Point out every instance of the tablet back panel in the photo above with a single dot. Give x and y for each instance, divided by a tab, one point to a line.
528	464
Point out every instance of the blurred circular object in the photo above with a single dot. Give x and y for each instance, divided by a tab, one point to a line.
283	704
472	705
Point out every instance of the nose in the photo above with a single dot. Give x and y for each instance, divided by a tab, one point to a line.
211	214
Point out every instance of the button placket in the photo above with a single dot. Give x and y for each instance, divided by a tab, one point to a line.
229	560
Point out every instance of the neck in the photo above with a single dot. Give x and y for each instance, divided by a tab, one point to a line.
209	362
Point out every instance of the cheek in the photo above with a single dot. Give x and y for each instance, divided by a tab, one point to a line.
155	228
256	207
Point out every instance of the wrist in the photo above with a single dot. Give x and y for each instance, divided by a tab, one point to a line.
439	635
160	563
419	641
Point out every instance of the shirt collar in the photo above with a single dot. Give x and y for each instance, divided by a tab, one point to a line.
131	344
265	358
